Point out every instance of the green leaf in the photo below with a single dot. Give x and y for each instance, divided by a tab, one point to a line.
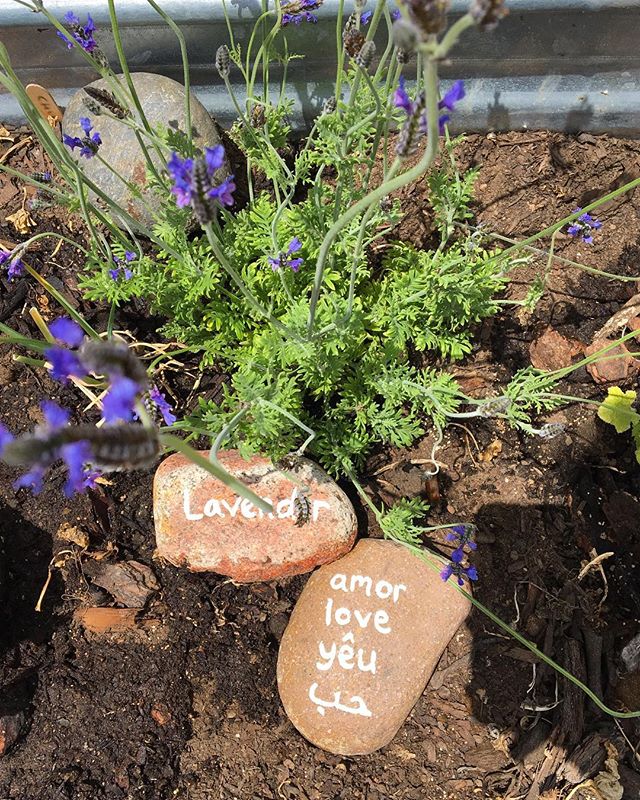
617	411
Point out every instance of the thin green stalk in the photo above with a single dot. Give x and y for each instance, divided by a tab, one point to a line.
429	559
235	277
391	185
224	435
311	433
434	561
71	311
339	50
186	72
171	442
571	218
559	259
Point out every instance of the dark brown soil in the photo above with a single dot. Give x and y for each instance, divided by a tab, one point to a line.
183	703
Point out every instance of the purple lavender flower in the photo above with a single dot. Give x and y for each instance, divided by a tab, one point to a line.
65	362
89	144
80	35
46	447
459	572
5	438
119	402
161	404
15	267
411	108
181	171
462	535
67	331
285	259
193	183
365	17
297	11
402	100
121	265
224	192
454	95
584	226
76	455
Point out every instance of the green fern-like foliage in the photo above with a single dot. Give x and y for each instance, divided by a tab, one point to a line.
432	299
355	382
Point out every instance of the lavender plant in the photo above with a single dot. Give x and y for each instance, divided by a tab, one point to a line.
282	291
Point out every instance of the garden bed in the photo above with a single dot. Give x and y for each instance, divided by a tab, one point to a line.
182	702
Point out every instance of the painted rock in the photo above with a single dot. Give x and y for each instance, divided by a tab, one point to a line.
162	100
203	525
362	642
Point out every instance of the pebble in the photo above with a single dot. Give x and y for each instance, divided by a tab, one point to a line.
162	101
362	643
203	526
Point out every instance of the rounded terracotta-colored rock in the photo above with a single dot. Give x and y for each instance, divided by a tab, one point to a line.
362	642
203	525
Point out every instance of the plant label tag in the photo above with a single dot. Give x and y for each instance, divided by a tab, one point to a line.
45	104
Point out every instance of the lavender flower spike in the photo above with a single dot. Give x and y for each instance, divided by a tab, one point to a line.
50	442
15	267
583	227
65	362
89	144
194	183
81	35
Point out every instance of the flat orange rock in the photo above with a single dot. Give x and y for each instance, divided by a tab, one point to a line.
362	642
203	525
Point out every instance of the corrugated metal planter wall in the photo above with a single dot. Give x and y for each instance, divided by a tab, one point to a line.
560	64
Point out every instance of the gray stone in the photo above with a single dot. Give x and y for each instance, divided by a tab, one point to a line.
162	100
362	642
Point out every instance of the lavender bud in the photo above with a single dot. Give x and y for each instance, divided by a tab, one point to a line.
302	509
429	15
329	105
203	208
493	406
353	42
121	447
91	106
551	430
103	99
38	204
488	13
405	35
350	24
410	133
365	56
402	56
113	357
223	61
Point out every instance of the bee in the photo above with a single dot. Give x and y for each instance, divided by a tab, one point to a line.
302	509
